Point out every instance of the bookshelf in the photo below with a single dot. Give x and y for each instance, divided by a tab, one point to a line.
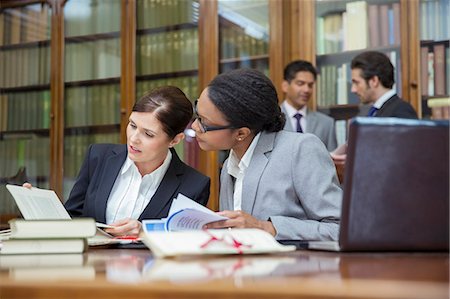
108	53
344	29
243	35
167	53
434	59
92	64
24	98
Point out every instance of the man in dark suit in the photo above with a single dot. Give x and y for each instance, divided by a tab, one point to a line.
372	81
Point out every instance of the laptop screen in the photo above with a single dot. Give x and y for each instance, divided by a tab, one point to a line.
396	185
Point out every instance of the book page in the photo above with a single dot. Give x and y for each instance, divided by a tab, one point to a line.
183	202
191	219
38	204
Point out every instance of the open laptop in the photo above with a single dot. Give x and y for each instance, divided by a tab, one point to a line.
396	187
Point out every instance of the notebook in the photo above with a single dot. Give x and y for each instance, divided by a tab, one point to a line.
396	187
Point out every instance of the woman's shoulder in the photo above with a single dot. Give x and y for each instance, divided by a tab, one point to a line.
104	148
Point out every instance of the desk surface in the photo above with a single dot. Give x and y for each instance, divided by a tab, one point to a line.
134	273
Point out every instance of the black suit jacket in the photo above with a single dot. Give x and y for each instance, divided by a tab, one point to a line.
396	107
100	169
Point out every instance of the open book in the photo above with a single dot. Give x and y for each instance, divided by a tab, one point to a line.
214	241
184	214
43	204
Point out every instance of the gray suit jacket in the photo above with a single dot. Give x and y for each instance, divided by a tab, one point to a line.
292	181
318	124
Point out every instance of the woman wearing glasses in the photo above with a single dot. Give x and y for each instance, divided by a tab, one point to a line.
282	182
122	184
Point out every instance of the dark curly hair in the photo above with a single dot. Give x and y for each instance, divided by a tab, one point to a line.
247	98
171	106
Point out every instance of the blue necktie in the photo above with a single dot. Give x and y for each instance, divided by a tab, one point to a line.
372	111
298	116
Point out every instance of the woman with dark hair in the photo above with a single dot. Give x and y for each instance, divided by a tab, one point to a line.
122	184
282	182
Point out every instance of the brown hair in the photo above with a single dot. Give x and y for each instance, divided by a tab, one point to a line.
171	107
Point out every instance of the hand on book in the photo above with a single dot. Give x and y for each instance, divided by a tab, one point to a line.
239	219
27	185
125	227
339	155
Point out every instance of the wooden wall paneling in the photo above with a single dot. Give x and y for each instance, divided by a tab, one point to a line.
128	63
16	3
410	53
276	43
57	96
208	68
299	34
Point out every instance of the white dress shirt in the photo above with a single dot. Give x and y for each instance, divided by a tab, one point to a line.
236	168
291	111
132	192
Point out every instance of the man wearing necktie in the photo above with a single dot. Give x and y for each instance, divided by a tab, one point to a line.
298	85
373	81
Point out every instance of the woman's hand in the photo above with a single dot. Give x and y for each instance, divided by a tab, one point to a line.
125	227
239	219
27	185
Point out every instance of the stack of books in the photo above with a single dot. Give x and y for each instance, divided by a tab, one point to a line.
48	236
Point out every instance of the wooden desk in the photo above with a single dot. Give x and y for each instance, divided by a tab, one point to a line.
120	273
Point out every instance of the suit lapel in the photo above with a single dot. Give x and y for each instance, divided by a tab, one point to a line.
166	190
226	189
311	122
254	171
288	124
113	165
387	106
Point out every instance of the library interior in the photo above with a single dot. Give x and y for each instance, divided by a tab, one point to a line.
71	72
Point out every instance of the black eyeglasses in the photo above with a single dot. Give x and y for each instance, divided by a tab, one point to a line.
203	127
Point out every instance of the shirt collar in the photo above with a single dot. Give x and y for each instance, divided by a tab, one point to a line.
386	96
291	111
235	165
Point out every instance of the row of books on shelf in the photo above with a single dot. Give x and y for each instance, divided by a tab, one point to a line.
359	26
164	52
25	24
92	105
24	66
188	84
29	151
158	13
91	17
435	69
334	83
434	21
75	147
25	110
235	42
92	60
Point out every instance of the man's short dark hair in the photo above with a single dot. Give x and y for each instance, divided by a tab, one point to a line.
291	70
373	63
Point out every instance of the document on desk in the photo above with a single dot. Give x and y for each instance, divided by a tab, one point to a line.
212	242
